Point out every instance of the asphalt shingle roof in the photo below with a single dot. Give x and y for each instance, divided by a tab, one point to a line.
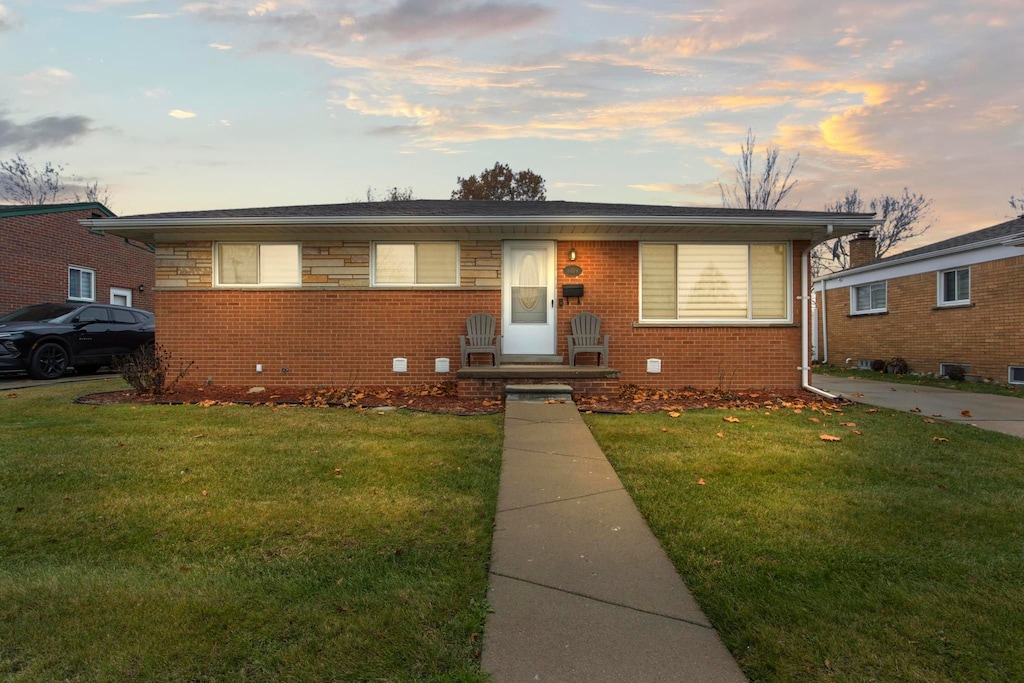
484	209
1008	229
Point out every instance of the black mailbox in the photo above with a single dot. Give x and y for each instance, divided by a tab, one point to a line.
572	291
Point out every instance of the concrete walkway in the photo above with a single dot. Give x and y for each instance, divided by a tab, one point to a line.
580	587
998	413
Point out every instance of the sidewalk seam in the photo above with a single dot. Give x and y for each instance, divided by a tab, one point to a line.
561	500
603	457
606	602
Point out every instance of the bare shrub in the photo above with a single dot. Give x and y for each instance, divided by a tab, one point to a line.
147	369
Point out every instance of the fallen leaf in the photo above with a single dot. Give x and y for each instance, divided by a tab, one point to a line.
337	470
829	437
701	481
847	424
12	395
857	394
719	435
204	492
673	414
939	438
871	410
857	431
198	436
966	413
797	411
814	419
664	429
731	419
929	421
915	410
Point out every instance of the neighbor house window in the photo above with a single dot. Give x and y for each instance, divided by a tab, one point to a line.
256	264
416	263
955	287
869	298
81	284
714	282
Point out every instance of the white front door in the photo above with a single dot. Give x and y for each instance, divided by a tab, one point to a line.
528	298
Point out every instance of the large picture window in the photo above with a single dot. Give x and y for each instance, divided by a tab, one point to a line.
81	284
714	282
416	263
258	264
871	298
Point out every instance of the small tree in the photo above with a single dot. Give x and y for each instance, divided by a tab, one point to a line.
903	217
501	183
23	183
391	194
765	189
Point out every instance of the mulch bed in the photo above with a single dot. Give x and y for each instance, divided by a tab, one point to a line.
443	398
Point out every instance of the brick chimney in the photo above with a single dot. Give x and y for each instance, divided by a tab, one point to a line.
862	249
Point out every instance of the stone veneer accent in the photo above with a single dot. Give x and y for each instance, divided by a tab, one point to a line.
326	264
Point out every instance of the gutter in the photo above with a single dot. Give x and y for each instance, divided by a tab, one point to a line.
805	326
1013	241
256	221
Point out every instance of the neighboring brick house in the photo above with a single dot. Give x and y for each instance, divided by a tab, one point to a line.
955	302
47	255
333	295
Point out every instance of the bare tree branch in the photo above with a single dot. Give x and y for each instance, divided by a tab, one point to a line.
391	194
23	183
766	189
903	217
1017	203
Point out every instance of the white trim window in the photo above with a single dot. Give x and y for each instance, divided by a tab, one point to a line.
416	264
81	284
715	283
869	298
120	296
955	287
258	264
1016	374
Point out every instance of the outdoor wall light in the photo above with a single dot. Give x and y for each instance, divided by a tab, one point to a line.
142	288
572	254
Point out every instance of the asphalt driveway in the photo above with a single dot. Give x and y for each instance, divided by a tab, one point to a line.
9	382
998	413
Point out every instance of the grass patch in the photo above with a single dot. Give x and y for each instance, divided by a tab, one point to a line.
885	556
182	543
922	380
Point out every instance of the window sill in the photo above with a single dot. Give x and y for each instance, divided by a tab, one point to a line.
709	323
867	313
943	307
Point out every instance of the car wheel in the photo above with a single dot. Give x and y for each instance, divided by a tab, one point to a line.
87	369
50	361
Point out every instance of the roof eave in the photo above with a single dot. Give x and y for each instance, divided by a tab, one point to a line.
1012	241
135	227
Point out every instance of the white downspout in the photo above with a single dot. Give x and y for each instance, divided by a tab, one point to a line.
824	323
805	335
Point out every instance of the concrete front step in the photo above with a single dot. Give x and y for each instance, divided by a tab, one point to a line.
538	392
530	359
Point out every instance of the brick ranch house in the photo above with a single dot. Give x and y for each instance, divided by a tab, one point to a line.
47	255
954	302
378	293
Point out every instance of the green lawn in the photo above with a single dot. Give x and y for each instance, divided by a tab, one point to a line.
922	380
885	556
180	543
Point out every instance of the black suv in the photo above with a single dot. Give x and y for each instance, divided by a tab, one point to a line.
46	339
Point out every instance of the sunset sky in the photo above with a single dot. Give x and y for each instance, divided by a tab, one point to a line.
231	103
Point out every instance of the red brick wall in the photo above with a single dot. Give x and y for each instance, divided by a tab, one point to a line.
350	336
987	335
331	338
733	357
36	250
